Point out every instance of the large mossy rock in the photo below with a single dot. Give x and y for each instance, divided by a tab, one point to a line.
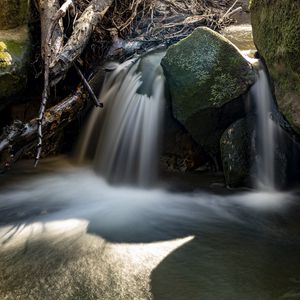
14	57
276	31
206	75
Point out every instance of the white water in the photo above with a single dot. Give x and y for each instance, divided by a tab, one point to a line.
265	130
126	133
232	245
127	213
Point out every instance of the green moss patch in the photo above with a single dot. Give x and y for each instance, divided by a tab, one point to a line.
204	73
276	32
14	55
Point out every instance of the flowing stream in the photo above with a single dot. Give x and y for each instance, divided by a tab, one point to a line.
265	130
86	232
126	133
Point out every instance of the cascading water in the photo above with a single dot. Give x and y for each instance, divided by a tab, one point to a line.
265	131
125	135
71	234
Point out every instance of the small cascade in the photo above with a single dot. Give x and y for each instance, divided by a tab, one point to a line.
265	131
123	138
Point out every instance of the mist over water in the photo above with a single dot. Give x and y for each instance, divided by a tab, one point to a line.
126	213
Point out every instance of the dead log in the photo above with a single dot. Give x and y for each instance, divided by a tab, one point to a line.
48	9
19	137
83	29
49	36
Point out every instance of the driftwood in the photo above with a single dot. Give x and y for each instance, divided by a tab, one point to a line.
18	138
48	9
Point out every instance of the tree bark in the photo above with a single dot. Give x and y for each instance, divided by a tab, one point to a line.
83	29
48	9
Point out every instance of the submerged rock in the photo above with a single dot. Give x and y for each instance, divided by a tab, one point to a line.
276	31
206	75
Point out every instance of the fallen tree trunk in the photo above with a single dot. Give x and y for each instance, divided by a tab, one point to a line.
19	137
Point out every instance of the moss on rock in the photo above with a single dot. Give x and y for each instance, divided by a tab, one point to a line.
14	54
5	57
204	73
13	13
276	32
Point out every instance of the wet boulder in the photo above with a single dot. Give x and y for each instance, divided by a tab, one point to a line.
241	154
276	32
236	152
207	75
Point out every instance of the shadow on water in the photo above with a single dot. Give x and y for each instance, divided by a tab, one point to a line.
229	266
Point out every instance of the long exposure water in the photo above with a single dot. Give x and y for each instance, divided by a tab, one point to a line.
68	233
266	131
126	133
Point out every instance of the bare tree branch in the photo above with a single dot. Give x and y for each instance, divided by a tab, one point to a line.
48	56
77	42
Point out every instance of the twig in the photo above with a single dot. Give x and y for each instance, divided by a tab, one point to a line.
238	9
88	87
227	12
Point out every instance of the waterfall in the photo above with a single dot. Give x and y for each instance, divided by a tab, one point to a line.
123	138
265	131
